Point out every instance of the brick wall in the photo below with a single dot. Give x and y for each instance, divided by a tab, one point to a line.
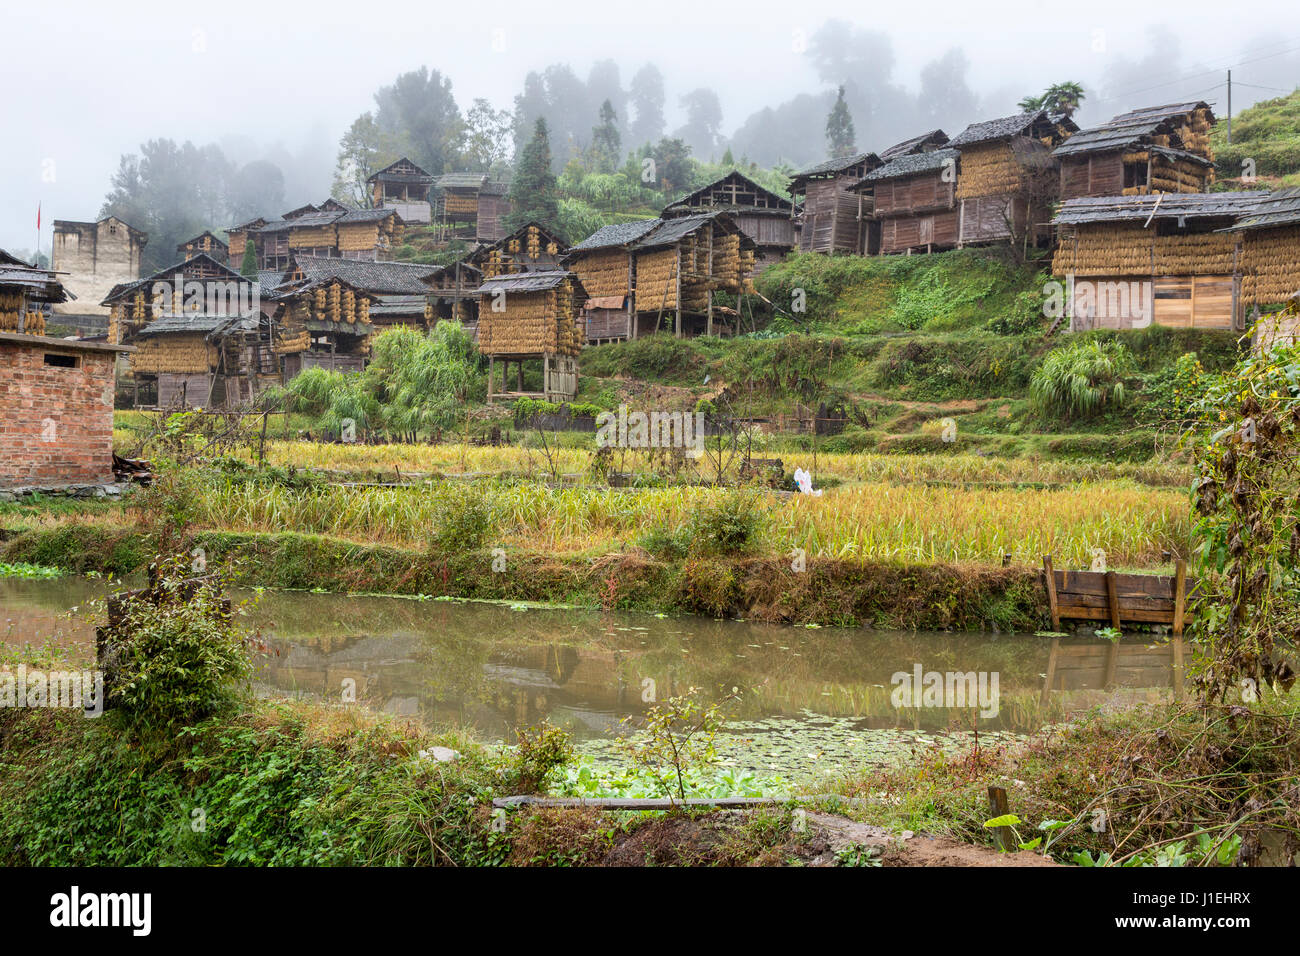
56	423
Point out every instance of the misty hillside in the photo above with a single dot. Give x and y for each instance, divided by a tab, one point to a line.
1268	134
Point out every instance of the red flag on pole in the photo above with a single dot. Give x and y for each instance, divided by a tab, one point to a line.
38	217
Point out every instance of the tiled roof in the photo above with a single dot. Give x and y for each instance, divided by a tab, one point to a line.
618	234
398	305
202	322
392	278
996	129
834	165
911	165
460	180
674	230
936	137
1124	130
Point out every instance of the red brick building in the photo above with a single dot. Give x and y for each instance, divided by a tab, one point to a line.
56	411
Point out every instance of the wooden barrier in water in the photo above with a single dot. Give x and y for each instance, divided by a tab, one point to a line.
1116	599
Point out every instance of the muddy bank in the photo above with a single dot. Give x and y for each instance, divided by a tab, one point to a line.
773	837
828	592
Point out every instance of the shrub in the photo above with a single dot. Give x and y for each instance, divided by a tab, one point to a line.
668	543
462	518
175	655
728	526
1082	379
539	752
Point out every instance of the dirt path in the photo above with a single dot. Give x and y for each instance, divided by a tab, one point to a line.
828	840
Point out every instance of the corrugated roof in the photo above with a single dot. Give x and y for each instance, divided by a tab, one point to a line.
1164	206
394	278
911	165
1280	208
618	234
1125	129
523	282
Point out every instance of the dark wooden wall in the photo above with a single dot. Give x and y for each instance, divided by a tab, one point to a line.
919	232
830	216
1096	174
923	193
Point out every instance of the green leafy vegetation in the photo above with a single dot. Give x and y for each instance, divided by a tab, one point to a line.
1082	379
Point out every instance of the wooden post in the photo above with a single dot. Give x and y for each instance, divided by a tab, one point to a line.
1112	599
1049	577
1180	608
492	361
679	291
1112	654
999	807
1051	669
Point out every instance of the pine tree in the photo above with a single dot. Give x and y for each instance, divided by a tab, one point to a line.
248	268
533	192
839	129
606	144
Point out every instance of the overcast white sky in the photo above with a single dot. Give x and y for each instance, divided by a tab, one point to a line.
85	82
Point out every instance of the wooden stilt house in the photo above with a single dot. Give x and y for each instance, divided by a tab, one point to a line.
397	292
1159	149
1007	179
200	336
403	187
659	275
1130	261
913	198
320	321
830	211
470	206
762	215
454	288
329	230
532	316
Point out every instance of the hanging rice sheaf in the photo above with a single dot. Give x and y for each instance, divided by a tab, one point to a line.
603	273
531	323
656	280
988	170
179	353
1270	265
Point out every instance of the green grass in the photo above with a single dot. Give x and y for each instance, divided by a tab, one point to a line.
1267	133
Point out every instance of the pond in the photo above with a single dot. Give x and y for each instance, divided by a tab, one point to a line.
819	696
